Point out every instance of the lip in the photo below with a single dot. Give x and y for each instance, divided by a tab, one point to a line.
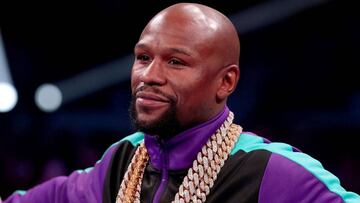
151	96
149	99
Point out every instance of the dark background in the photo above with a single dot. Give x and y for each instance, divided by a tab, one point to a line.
299	83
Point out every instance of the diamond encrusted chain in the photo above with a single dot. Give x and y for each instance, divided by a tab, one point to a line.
130	187
200	177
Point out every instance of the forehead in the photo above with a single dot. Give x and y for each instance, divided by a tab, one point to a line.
166	39
175	34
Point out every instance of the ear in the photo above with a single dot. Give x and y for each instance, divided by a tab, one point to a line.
230	77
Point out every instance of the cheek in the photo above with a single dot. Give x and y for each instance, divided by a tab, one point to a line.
193	106
194	95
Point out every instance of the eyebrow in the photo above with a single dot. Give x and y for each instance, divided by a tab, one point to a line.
175	50
180	51
141	46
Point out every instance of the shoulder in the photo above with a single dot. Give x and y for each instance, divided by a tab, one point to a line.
125	146
135	139
130	141
120	156
293	176
121	150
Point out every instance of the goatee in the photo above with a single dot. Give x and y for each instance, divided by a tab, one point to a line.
165	127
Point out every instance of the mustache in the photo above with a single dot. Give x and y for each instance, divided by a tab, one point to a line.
155	90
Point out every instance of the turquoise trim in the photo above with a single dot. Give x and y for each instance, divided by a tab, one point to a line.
247	143
87	170
135	139
250	142
20	192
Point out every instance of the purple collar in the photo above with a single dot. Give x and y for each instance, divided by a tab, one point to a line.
180	151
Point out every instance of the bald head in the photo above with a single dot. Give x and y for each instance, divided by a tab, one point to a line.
205	23
185	67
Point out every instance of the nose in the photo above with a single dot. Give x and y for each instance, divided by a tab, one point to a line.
153	74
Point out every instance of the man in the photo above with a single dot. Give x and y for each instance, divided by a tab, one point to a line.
187	148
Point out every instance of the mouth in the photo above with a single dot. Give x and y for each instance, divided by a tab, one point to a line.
150	100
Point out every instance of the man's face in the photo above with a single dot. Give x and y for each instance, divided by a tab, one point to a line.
174	78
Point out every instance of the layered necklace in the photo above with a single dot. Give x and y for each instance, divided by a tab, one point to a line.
200	177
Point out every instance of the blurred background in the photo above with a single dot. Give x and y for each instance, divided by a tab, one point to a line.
65	83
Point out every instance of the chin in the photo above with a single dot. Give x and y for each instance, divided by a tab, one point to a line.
148	118
162	121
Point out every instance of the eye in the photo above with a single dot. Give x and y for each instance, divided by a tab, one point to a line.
143	57
176	62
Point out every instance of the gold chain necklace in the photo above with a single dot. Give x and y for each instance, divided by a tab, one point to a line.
200	177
